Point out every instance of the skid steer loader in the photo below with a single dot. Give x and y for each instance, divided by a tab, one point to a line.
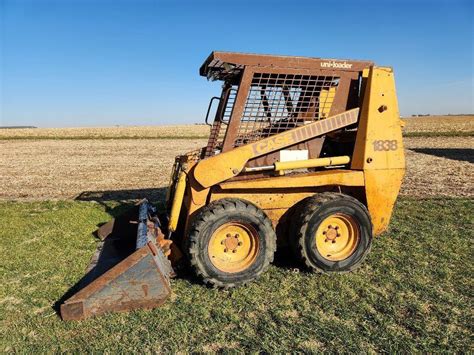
303	152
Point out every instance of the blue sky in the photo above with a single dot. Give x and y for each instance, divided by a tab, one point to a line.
103	62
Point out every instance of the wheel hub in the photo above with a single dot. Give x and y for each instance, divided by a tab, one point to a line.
337	237
332	234
233	247
231	242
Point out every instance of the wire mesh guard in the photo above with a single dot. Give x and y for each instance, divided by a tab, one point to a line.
279	102
275	103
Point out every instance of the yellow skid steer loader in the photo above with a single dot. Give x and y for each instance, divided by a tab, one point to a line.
305	153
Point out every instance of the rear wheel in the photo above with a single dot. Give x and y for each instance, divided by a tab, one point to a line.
231	242
331	232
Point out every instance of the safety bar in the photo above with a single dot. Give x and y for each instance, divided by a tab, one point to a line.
209	109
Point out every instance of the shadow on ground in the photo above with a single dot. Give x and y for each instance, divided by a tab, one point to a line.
152	194
462	154
116	202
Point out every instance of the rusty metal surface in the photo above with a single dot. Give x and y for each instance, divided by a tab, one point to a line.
222	65
130	269
136	282
237	110
272	94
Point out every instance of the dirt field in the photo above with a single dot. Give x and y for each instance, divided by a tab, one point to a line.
412	125
130	168
439	166
63	169
439	124
181	131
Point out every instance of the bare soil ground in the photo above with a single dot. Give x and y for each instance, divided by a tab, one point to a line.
439	166
171	131
412	124
63	169
439	124
130	168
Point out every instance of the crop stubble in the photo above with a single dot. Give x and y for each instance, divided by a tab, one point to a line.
412	124
132	168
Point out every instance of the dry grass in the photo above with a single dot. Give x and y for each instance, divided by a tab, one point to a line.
61	169
439	124
173	131
413	124
130	168
439	166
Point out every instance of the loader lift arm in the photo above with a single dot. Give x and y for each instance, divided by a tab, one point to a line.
229	164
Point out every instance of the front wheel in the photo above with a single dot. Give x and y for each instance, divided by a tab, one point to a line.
231	242
331	232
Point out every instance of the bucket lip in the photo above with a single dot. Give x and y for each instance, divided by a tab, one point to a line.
81	304
108	276
77	306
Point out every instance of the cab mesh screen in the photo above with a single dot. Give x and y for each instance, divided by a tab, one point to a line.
278	102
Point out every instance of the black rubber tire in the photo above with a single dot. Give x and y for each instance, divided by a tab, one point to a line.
310	213
212	217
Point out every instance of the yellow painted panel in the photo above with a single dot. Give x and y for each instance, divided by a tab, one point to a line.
177	202
326	98
379	142
274	204
320	178
382	187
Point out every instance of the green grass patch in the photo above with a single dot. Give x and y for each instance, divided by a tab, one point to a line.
414	292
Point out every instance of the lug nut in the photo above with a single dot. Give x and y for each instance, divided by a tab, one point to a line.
239	243
236	235
222	242
324	232
228	235
225	250
333	241
337	227
234	251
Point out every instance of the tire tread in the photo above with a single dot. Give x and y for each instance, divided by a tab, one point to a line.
225	206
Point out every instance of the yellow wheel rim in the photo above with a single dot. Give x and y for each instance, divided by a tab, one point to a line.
233	247
337	237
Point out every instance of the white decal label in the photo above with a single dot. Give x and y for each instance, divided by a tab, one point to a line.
336	65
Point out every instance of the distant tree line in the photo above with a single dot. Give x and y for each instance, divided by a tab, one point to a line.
11	127
449	114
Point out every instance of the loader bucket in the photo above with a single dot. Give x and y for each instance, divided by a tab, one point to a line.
128	271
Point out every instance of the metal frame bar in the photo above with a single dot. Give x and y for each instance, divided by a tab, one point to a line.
239	105
304	100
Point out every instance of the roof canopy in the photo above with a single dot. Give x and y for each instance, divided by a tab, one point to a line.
221	65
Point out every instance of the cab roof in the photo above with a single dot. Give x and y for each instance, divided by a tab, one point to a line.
221	65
